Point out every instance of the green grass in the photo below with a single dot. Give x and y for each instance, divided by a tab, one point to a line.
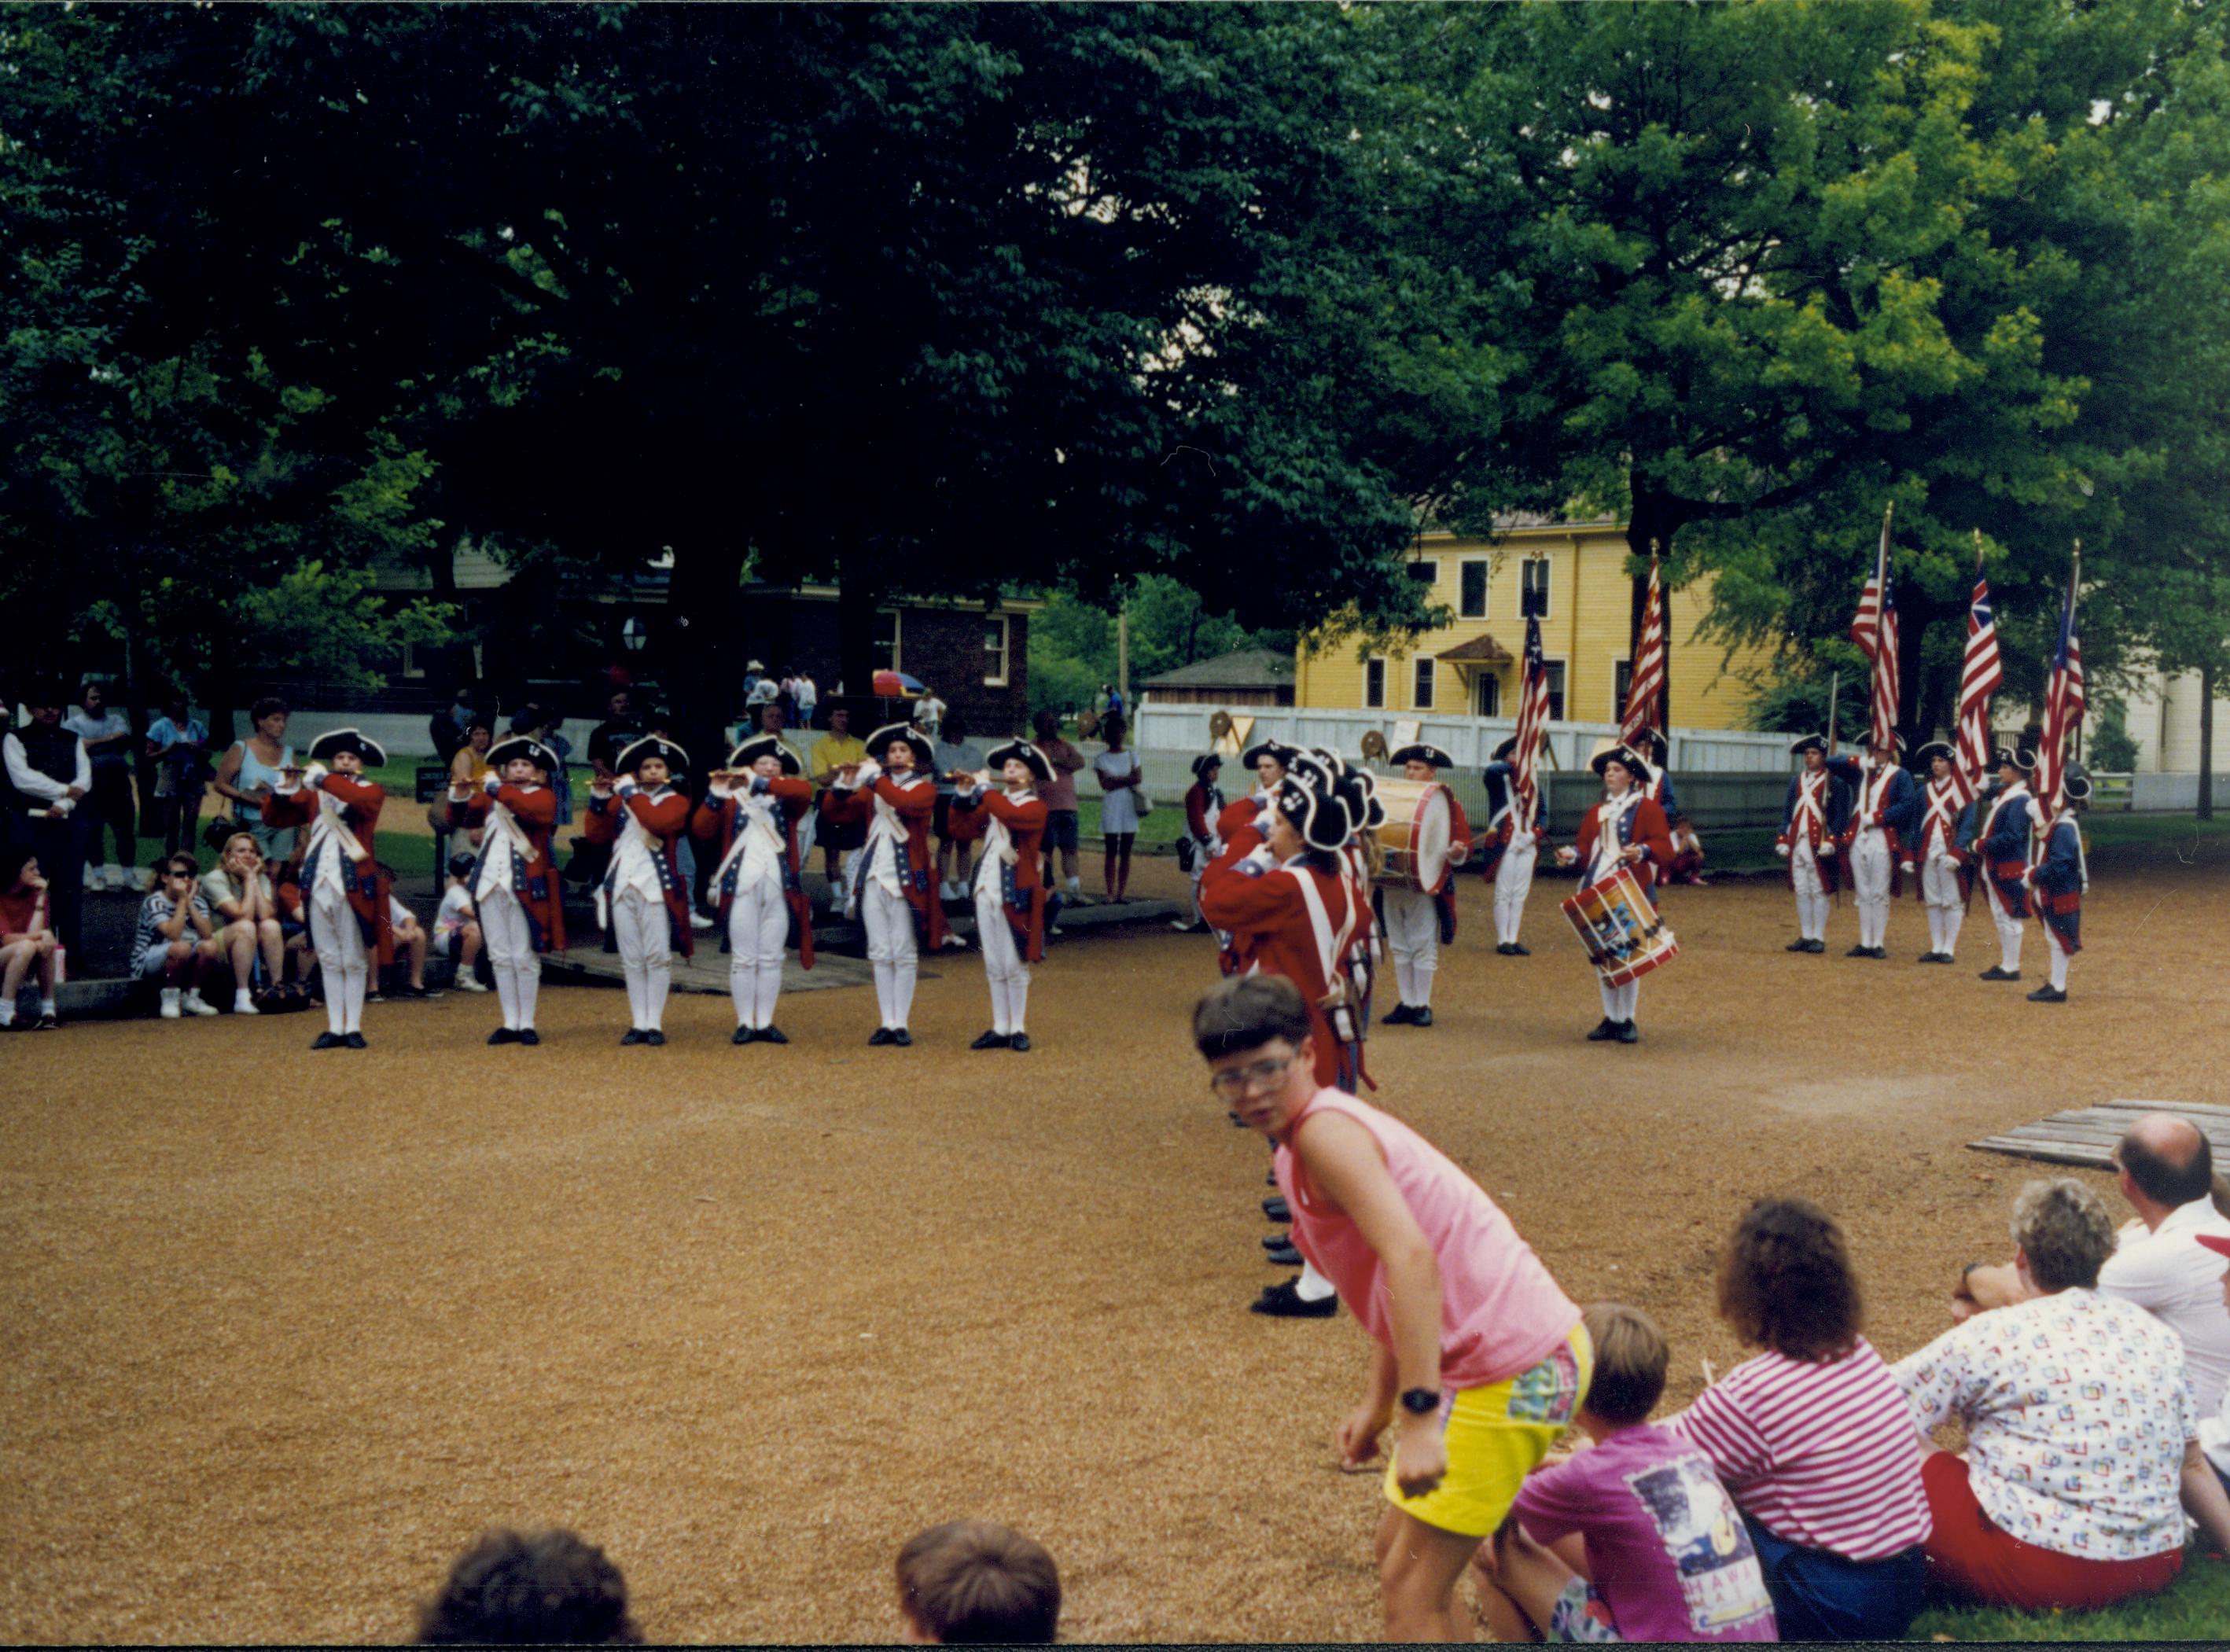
2113	830
2196	1608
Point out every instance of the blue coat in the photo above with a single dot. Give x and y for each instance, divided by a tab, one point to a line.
2004	854
1901	814
1839	804
2059	884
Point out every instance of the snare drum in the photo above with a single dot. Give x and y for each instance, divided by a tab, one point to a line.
1419	822
1624	937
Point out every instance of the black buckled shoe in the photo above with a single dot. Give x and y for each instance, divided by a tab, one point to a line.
989	1041
529	1036
2048	994
1422	1016
635	1036
743	1036
1276	1209
504	1036
1605	1030
1800	944
1284	1302
1020	1043
1520	949
330	1041
1284	1253
1997	973
901	1037
654	1036
881	1036
1859	951
354	1041
1815	946
773	1035
1397	1017
1629	1033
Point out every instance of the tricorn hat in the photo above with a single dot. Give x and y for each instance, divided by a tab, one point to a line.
652	746
1421	752
1506	753
2019	758
1313	812
1893	741
1278	748
1935	749
1653	743
2076	783
1635	763
523	746
882	739
332	743
1020	751
751	751
1804	742
1206	765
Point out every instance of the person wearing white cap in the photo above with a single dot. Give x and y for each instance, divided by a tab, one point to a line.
644	901
752	811
1812	821
2001	854
1415	920
2060	879
1625	829
1940	850
344	893
515	896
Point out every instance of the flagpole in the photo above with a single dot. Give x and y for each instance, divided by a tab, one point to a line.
1834	688
2074	580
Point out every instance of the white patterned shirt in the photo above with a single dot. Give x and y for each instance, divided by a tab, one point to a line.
2077	1414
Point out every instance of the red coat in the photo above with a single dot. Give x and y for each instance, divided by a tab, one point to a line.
1242	834
535	809
715	821
1646	826
915	805
666	819
360	801
1023	883
1270	920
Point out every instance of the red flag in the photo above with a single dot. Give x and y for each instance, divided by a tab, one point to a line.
1978	680
1645	687
2064	703
1533	721
1875	632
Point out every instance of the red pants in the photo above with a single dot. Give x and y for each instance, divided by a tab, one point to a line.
1973	1557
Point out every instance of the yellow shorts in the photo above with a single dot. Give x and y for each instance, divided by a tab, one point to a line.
1496	1435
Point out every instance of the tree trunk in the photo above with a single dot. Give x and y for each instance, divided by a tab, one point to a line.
705	657
858	596
2205	742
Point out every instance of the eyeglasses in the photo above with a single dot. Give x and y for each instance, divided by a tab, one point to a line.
1234	1082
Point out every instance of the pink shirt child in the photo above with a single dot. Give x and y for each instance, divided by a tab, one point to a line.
1500	1310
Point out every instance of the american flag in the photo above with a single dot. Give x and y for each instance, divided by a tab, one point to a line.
1875	632
1980	680
1648	683
1532	717
2063	706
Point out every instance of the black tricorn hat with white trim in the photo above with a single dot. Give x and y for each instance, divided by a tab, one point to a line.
751	751
1935	749
883	737
1205	765
1283	753
1635	763
1022	751
1506	753
1421	752
523	746
652	746
1313	812
2076	783
330	744
1804	742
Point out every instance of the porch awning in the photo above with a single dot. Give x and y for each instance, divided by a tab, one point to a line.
1479	650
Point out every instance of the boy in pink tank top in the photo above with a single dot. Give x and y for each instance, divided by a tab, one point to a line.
1480	1353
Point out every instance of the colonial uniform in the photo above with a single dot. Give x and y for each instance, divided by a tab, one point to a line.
2002	847
2061	879
1813	819
891	880
643	901
1203	802
516	897
1416	923
1883	822
344	893
1607	830
1009	891
1514	841
1939	852
757	883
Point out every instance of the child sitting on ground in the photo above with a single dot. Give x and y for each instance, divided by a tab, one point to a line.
1687	853
969	1583
1648	1545
456	931
410	943
25	940
177	940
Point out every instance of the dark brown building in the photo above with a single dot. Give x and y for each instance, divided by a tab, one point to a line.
1250	677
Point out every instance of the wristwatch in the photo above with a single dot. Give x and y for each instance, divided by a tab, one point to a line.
1420	1402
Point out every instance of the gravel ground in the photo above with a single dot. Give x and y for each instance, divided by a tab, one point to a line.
292	1330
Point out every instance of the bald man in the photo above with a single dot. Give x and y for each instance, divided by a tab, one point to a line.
2167	1173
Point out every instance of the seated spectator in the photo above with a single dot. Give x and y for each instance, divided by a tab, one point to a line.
2081	1437
969	1583
293	925
26	942
456	931
177	940
1687	853
410	942
2214	1431
529	1589
1812	1436
240	892
1663	1555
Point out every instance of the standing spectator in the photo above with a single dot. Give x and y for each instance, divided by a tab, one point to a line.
773	723
1059	795
2082	1440
251	772
530	1589
787	698
751	675
468	764
47	775
1116	707
107	737
1120	777
26	941
240	892
953	755
447	727
808	695
621	728
176	943
1811	1435
929	713
969	1583
547	725
838	833
177	744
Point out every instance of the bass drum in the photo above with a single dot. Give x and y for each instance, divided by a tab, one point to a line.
1415	837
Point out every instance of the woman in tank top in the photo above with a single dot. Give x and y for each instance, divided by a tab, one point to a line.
252	770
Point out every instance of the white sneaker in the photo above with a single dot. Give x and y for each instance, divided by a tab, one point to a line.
170	1011
95	877
699	922
192	1002
117	876
243	1002
142	881
467	983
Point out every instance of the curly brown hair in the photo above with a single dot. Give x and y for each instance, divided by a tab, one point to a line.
1786	1282
535	1588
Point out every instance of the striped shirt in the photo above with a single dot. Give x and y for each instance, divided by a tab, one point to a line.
1825	1456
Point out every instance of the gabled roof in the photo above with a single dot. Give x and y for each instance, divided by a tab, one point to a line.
1479	650
1248	668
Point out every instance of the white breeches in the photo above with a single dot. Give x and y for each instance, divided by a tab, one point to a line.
511	958
347	966
889	923
2009	928
1811	891
1514	876
1192	888
640	925
1617	1002
1413	937
1870	875
1939	889
1003	969
759	925
2059	959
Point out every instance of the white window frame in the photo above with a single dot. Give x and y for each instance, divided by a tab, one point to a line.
1424	683
1560	713
1487	680
1005	651
1548	584
410	666
1374	701
897	618
1486	586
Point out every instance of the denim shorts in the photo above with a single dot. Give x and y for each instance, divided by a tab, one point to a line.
1060	830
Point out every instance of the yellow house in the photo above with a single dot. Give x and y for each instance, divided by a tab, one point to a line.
1470	667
